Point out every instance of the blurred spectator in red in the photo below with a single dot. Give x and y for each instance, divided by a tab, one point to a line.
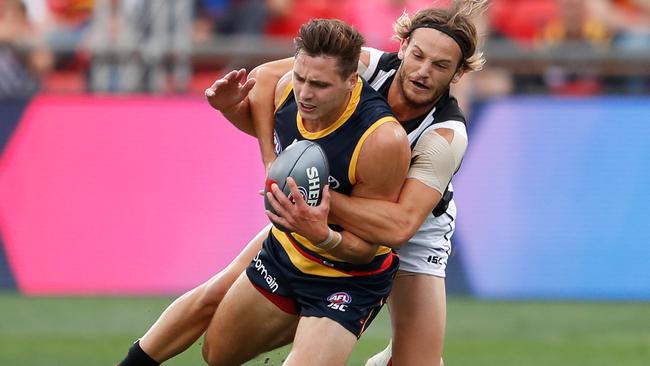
521	20
374	18
288	15
549	24
23	61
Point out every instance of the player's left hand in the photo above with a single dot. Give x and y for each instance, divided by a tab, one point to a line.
298	216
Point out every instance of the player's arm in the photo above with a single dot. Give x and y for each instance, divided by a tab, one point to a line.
263	99
381	168
436	156
242	99
228	95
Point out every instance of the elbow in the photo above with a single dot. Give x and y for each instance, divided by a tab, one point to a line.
363	256
403	232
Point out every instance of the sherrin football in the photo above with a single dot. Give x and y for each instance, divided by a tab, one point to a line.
306	163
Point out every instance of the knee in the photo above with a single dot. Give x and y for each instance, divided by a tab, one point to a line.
209	355
214	354
212	293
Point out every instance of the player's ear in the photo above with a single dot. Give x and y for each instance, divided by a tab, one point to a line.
459	73
351	81
402	48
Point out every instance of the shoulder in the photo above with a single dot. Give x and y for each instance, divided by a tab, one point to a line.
372	61
450	117
383	161
385	137
282	88
443	146
368	61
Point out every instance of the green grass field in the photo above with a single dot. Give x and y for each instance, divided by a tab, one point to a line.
98	331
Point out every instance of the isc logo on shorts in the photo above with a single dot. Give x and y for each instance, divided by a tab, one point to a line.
339	301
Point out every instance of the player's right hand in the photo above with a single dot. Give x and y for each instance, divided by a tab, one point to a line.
226	93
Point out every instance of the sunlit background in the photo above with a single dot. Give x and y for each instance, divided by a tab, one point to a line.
118	179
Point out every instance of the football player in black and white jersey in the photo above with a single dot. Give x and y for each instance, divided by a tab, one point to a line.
437	46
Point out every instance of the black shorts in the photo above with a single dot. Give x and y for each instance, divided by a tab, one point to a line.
352	302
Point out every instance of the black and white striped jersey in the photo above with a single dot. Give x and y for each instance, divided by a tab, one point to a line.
446	113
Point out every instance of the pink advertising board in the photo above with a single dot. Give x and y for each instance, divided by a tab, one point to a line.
114	195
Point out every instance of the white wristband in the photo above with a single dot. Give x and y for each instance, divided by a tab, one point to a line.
333	240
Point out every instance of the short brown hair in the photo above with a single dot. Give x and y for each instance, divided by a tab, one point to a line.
456	19
331	37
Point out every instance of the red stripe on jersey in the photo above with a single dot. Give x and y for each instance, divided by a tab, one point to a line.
383	267
286	304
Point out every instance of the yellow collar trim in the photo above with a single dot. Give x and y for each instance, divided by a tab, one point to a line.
352	106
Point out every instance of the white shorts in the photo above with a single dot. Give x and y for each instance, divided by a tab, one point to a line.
428	250
429	260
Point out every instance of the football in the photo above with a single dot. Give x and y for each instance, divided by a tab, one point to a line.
305	162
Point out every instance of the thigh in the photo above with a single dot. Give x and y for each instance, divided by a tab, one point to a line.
418	314
213	291
332	342
245	325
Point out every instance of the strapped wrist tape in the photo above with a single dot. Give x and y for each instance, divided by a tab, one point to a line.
333	240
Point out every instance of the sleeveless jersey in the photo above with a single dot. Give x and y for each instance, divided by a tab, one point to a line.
446	113
342	142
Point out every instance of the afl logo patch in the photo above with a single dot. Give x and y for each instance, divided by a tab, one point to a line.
339	301
340	298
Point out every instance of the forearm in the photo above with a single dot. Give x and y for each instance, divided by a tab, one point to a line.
353	249
240	117
376	221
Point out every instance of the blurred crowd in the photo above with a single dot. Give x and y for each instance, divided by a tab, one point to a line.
150	46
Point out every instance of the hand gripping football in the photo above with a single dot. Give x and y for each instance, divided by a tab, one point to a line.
306	163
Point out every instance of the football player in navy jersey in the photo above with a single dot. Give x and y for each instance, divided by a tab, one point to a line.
314	280
437	46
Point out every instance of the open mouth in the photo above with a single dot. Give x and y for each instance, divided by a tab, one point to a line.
419	86
306	107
